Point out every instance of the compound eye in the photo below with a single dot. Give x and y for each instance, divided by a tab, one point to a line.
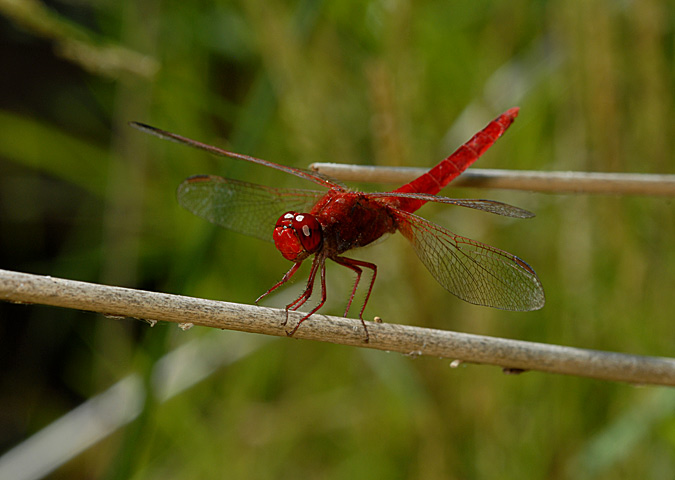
308	230
296	235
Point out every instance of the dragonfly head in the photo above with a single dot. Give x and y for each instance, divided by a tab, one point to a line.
297	235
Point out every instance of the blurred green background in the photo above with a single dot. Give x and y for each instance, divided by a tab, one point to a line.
386	82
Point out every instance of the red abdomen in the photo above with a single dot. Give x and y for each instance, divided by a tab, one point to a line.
438	177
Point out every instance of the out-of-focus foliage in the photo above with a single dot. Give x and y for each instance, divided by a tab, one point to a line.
83	196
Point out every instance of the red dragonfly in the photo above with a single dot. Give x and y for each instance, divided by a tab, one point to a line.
327	224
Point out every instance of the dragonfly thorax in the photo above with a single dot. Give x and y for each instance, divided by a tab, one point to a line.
297	235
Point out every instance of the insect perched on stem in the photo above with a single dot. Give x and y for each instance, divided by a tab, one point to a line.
326	224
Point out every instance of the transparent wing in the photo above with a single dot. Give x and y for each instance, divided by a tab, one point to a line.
490	206
475	272
243	207
315	177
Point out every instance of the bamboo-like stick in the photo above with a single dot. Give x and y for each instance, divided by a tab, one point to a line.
537	181
513	355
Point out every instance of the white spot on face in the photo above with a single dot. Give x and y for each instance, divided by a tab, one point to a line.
306	231
288	216
299	218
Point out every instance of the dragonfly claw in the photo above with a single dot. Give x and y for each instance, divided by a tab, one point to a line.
365	329
283	324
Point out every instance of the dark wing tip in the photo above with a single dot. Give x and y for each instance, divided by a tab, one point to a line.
199	178
148	129
527	214
140	126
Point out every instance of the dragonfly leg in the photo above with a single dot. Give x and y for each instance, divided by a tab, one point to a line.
310	284
300	301
356	265
358	272
285	278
